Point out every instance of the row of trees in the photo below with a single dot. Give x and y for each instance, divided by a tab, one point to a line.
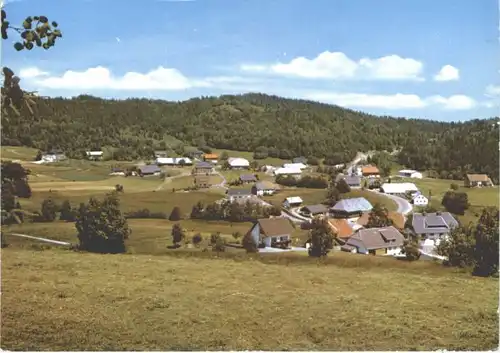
307	181
233	211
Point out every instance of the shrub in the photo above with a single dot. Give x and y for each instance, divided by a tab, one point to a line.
49	210
197	239
175	215
220	245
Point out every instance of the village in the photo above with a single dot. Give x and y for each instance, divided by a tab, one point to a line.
245	182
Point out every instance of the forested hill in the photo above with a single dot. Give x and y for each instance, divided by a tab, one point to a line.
248	122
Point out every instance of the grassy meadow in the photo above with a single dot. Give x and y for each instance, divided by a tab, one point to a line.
63	300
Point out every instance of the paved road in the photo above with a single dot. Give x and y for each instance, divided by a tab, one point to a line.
404	206
57	242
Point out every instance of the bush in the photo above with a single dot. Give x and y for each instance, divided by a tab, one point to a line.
119	188
220	245
67	212
197	239
49	210
145	213
454	186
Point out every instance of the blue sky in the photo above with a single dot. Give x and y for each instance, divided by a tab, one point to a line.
415	58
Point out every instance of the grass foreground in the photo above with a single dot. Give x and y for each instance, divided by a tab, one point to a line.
63	300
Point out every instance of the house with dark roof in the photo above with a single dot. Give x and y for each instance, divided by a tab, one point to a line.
271	231
205	168
477	180
348	208
353	181
248	178
375	241
314	210
433	226
264	187
149	170
202	181
239	194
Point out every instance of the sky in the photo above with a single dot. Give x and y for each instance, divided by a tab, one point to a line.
427	59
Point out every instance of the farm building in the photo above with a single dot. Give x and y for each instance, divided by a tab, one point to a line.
239	194
271	231
299	166
202	181
348	208
288	171
370	171
203	168
419	200
149	170
433	226
94	155
314	210
180	161
238	163
353	181
248	178
477	180
117	171
52	156
211	157
398	188
409	173
292	201
375	241
264	188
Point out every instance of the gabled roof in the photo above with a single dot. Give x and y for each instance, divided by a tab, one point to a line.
352	180
294	166
239	192
149	169
441	222
341	227
275	226
315	209
398	188
376	238
247	177
237	161
265	185
294	199
204	165
210	156
357	204
478	177
370	169
285	171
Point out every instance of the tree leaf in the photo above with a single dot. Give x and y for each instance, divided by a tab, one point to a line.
18	46
44	19
27	25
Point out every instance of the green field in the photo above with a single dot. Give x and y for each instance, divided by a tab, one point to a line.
62	300
18	153
478	197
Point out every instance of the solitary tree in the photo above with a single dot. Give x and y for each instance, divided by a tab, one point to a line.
197	238
249	244
343	187
455	202
175	215
321	238
379	217
224	156
458	247
49	210
101	226
332	195
67	212
486	239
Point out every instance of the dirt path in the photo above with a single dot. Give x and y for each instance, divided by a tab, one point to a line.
57	242
169	179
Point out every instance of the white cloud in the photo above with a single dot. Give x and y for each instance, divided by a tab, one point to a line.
395	101
101	78
492	91
337	65
447	73
31	72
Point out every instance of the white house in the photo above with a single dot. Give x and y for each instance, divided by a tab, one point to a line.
95	155
292	201
270	231
239	194
398	188
264	187
173	161
238	163
410	173
299	166
420	200
288	171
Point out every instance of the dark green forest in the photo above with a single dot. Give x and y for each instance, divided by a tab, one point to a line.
270	125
